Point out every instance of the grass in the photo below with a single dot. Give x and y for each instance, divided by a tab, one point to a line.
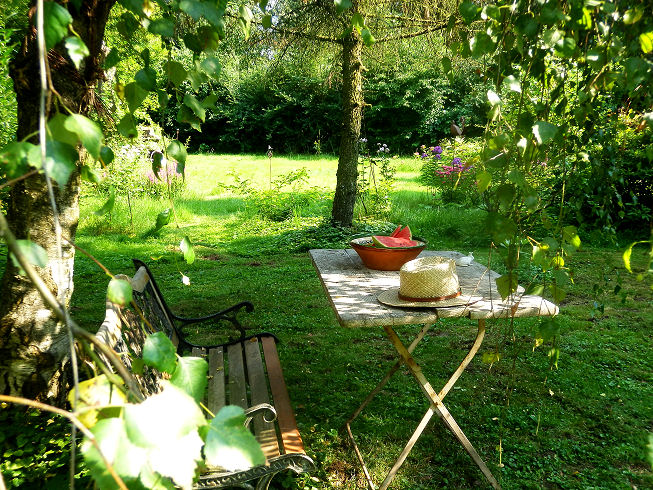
582	425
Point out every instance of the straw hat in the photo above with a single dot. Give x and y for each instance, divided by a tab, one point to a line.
429	282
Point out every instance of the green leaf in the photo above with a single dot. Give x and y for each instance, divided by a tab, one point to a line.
112	59
146	79
119	292
469	12
633	15
192	8
357	21
500	227
342	5
108	206
596	58
446	64
266	21
157	160
163	98
512	83
367	36
481	44
127	25
626	256
211	66
33	252
126	458
88	132
209	101
175	72
177	151
57	130
517	178
506	195
89	175
163	219
229	444
262	4
646	42
535	289
14	159
544	131
209	39
56	22
106	155
186	115
187	249
77	50
159	352
493	98
483	180
506	285
192	42
60	160
134	95
245	20
95	392
135	6
570	235
566	47
166	426
162	27
548	329
190	376
127	127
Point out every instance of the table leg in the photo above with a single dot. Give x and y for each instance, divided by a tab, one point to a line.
372	394
437	406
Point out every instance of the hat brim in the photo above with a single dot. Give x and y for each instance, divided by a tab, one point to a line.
391	298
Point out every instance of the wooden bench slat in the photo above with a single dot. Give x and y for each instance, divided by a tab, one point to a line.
216	398
292	441
236	376
265	431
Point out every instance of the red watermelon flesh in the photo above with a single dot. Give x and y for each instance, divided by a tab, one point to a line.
396	232
405	233
393	242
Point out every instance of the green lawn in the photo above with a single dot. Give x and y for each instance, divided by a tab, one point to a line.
583	425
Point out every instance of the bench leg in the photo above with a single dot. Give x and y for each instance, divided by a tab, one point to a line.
264	482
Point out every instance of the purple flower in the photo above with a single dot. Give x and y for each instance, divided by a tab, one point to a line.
456	162
437	149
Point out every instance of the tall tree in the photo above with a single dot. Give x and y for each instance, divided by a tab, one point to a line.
348	24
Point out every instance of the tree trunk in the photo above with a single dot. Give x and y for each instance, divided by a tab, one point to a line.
342	212
33	345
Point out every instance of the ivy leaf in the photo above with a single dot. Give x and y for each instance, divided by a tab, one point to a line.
245	20
229	444
646	42
146	79
506	195
190	376
633	15
262	4
446	64
162	27
175	72
108	206
33	252
626	256
162	98
163	219
548	329
566	47
506	285
60	160
135	6
483	180
159	352
191	101
119	292
342	5
14	159
570	235
88	132
177	151
192	42
535	289
209	101
512	83
89	175
58	130
127	127
469	12
77	50
209	39
544	131
266	21
56	22
134	95
95	392
187	249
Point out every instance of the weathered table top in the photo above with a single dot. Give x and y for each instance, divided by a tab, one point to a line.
352	289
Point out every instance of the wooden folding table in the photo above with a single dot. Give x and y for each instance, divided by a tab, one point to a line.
352	289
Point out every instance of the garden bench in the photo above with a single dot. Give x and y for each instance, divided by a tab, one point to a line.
245	371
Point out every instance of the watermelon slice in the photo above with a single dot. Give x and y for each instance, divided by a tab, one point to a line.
405	233
393	242
396	232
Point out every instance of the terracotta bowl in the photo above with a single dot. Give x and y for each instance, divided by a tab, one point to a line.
385	259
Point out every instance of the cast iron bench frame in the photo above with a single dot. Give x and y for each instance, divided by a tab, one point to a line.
245	372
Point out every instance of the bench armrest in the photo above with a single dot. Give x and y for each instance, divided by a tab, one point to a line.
252	412
229	314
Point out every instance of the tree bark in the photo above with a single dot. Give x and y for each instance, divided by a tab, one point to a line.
344	199
33	345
